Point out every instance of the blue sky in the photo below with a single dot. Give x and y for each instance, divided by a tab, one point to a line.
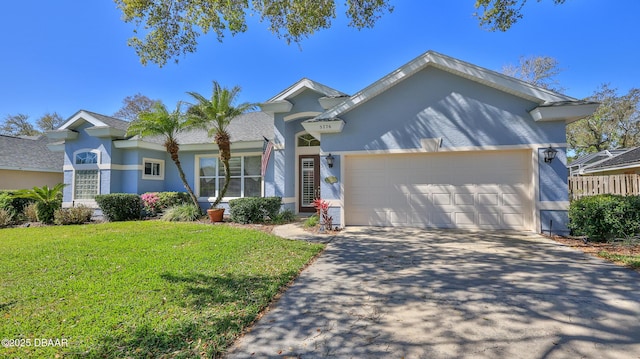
68	55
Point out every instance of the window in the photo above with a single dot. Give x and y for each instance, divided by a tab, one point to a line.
86	158
86	175
307	140
86	184
246	180
152	169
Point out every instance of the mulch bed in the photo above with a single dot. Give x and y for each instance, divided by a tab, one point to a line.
593	248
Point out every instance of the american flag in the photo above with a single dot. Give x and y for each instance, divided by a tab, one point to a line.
267	146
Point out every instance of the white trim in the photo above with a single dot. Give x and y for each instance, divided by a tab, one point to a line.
209	146
300	86
535	189
138	144
105	132
287	200
82	116
62	135
531	146
569	112
306	150
298	115
196	175
146	160
106	166
28	169
553	206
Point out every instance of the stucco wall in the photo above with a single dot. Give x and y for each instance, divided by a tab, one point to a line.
10	179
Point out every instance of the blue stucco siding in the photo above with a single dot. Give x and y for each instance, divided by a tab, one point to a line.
437	104
554	222
553	177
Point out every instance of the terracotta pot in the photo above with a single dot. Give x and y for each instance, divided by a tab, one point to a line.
215	214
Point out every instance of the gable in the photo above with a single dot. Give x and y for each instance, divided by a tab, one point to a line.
436	105
564	107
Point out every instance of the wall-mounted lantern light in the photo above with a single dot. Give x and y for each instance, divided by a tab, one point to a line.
330	159
549	154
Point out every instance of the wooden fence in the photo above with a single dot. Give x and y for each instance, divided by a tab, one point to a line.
581	186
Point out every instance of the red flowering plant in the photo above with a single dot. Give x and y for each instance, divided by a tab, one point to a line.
322	207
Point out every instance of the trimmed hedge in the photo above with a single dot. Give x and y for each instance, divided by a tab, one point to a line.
172	199
12	204
605	217
254	209
118	207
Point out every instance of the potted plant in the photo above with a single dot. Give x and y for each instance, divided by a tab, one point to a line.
215	214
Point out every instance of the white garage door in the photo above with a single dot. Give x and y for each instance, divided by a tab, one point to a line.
475	190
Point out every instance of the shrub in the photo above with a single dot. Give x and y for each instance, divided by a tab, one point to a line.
30	212
150	203
182	213
311	221
47	199
286	216
118	207
12	203
254	209
172	199
5	217
605	217
76	215
6	205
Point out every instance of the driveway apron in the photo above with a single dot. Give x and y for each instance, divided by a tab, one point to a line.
408	293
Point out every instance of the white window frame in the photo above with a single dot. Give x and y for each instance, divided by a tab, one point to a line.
85	167
152	161
219	176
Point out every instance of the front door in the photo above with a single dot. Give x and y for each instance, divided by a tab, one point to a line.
309	182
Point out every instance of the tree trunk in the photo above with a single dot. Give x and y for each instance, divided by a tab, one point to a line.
224	146
173	151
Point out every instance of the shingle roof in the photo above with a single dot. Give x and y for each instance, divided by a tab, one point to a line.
28	153
252	126
110	121
629	157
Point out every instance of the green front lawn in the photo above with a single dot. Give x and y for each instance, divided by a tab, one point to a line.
137	289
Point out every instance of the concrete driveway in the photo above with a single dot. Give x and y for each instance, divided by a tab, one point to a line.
404	293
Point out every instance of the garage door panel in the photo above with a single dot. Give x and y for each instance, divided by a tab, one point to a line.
448	190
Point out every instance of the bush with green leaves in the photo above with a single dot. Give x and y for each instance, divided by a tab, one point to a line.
47	200
118	207
605	217
182	213
254	209
311	221
6	218
30	212
285	216
6	204
75	215
171	199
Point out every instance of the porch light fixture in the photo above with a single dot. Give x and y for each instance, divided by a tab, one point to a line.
549	154
330	159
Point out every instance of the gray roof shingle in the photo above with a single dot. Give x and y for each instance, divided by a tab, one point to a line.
629	157
252	126
29	153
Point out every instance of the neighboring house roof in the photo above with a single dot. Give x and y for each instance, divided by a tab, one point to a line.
28	154
552	106
630	158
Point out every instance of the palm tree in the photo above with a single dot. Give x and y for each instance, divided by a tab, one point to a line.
215	114
160	122
47	199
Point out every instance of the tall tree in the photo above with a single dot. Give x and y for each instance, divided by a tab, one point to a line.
134	105
173	26
49	121
215	114
615	124
18	125
160	122
537	70
501	14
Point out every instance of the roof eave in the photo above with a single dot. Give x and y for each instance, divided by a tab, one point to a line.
569	112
